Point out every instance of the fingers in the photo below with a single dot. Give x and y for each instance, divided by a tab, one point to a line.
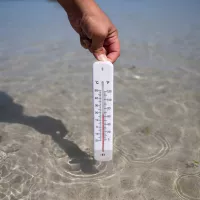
97	47
103	48
113	49
91	31
106	47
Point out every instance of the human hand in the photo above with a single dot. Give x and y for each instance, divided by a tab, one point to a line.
97	32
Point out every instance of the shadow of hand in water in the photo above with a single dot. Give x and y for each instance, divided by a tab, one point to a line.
10	112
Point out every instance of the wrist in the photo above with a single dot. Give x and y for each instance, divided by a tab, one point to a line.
80	7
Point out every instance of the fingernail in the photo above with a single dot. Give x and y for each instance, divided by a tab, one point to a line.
102	57
86	43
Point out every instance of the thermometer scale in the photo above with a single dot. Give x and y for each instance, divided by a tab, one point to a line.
103	110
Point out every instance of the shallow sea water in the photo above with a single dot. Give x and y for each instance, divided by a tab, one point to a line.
46	130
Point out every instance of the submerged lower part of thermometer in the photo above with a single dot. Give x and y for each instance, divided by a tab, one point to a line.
103	110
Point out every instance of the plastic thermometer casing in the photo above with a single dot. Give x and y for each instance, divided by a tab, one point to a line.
103	110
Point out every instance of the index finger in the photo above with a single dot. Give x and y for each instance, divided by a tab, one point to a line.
112	46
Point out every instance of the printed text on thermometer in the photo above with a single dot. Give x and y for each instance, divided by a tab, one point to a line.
102	113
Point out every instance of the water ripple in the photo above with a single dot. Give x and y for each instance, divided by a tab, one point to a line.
142	147
187	187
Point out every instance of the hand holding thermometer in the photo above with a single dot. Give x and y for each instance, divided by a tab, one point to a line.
103	110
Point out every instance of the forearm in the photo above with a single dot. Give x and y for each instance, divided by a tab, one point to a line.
79	6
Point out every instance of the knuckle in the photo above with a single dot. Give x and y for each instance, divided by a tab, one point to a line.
101	33
117	32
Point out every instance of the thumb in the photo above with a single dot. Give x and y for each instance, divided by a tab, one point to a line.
97	48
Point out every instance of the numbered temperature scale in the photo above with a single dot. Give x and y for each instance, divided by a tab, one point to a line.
103	110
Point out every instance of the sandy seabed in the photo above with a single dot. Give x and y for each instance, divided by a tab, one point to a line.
46	131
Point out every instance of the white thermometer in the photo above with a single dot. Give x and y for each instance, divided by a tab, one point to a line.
103	110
